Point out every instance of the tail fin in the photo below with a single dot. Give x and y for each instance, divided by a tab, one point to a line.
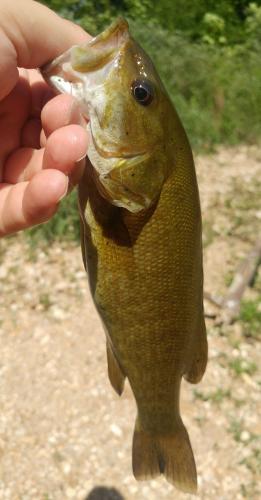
168	454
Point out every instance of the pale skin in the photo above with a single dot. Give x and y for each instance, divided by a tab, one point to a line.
42	137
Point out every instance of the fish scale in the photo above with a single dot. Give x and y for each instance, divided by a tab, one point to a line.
141	241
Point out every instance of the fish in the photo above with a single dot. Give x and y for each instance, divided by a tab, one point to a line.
141	240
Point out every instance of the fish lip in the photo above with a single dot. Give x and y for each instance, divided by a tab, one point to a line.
120	24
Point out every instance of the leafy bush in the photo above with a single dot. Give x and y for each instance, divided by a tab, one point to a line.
250	316
64	225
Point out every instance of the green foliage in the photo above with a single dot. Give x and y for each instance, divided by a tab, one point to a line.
64	225
253	462
216	396
215	27
241	365
45	301
253	26
213	87
250	315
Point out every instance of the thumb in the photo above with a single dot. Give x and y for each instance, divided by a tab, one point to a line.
31	35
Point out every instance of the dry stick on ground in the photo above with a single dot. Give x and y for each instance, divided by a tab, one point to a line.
243	277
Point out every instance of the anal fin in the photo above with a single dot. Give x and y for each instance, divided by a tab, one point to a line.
197	368
115	373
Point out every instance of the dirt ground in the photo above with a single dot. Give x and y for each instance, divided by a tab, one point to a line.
64	433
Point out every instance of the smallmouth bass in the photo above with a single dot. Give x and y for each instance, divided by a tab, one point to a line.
141	240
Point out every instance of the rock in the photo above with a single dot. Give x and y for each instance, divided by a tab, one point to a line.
116	430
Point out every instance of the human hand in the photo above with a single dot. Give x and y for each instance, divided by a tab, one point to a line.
42	138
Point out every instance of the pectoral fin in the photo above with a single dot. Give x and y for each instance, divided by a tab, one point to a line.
115	373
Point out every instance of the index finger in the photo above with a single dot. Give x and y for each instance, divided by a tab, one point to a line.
31	36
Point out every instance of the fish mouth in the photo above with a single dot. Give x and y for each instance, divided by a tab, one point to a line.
121	171
66	72
81	72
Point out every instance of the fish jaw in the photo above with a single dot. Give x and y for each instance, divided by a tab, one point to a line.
82	69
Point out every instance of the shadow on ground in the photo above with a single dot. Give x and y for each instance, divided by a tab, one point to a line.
103	493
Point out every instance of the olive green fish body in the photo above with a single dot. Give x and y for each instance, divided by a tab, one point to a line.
141	241
146	279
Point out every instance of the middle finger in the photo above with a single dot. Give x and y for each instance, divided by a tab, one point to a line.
60	111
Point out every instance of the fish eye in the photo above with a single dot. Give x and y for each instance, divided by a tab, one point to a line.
142	91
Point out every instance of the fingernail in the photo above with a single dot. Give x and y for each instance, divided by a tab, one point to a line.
82	157
65	190
74	114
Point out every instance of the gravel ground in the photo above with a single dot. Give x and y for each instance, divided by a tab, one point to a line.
64	433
